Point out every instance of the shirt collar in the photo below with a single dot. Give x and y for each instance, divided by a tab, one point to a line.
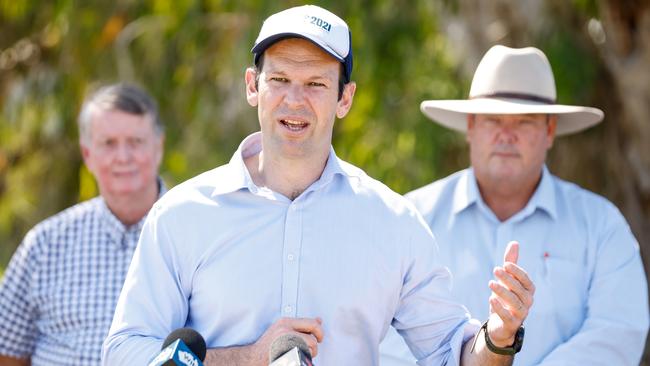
239	177
114	228
544	196
334	167
467	193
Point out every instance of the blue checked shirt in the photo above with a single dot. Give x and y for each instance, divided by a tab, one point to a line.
59	292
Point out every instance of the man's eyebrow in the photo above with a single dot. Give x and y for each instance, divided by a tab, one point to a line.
324	76
277	72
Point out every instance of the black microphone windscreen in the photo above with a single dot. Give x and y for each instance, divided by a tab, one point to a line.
191	338
284	344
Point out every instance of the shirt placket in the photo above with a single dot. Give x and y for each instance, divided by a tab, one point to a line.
291	259
503	236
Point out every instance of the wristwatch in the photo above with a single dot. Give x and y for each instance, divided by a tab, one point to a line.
508	351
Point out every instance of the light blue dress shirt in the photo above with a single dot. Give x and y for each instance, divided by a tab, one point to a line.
228	258
591	301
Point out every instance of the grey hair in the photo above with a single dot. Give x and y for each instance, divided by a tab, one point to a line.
120	97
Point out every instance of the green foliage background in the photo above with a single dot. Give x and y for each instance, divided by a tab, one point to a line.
191	55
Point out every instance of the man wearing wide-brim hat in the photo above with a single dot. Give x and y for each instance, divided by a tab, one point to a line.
591	302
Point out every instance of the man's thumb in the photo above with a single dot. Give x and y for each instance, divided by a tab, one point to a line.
512	252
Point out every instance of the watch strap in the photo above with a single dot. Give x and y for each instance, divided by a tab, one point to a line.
506	351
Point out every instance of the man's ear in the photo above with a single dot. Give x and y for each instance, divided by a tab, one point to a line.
470	126
344	105
160	147
550	130
251	88
85	154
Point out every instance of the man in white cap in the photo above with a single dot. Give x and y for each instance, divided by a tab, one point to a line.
591	303
288	239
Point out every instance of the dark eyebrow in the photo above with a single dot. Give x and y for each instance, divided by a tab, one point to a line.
271	71
276	72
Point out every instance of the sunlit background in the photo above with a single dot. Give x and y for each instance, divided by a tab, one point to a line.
191	55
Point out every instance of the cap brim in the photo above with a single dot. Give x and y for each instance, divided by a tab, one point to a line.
453	113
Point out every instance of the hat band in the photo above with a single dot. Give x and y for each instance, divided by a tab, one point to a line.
532	98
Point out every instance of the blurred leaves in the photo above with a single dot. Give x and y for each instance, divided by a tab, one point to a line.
191	55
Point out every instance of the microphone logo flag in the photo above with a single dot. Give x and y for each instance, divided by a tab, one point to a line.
176	353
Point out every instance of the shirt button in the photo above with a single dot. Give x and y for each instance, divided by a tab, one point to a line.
290	257
287	309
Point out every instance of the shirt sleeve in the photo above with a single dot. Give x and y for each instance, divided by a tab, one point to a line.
434	326
153	300
616	323
17	311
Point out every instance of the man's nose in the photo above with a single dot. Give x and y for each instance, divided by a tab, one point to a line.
124	152
507	133
295	96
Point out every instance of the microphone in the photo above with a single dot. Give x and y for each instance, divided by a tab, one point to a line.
289	350
182	347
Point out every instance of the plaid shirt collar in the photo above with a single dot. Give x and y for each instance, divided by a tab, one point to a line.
115	229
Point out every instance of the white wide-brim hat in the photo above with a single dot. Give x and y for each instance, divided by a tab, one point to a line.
512	81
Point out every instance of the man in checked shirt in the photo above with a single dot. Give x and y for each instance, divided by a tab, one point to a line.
59	292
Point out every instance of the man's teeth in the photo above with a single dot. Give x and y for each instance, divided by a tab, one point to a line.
294	125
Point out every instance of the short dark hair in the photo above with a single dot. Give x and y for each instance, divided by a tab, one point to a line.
260	65
123	97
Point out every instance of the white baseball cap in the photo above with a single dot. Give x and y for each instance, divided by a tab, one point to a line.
313	23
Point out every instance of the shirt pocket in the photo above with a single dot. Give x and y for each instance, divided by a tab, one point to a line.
561	293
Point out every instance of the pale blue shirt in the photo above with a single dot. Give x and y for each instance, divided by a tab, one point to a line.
591	301
228	258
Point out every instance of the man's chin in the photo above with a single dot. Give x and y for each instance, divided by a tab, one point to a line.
506	173
125	190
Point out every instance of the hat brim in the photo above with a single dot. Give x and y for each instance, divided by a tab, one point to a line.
453	113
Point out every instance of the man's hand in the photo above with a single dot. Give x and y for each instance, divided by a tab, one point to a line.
511	299
257	354
309	329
